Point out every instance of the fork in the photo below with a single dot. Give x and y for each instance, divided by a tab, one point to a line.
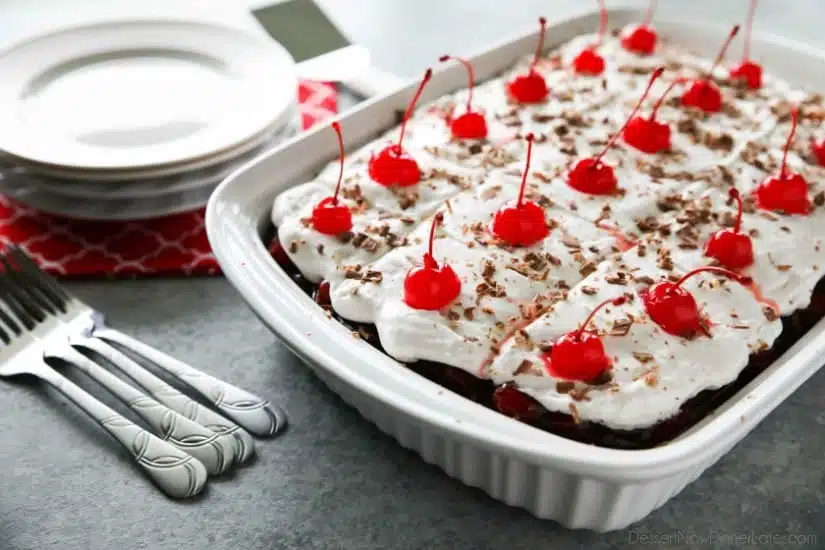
177	473
253	413
216	451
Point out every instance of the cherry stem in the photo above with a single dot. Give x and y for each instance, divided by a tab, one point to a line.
746	52
656	74
613	301
410	108
337	127
735	195
470	77
663	96
540	46
529	137
731	35
429	259
651	8
794	120
602	23
743	279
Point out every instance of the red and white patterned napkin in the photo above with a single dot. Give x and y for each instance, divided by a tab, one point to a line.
173	245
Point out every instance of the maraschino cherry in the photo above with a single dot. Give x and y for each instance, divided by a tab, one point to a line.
531	87
431	287
675	310
580	355
591	175
647	134
393	165
470	124
787	192
329	216
730	247
589	62
521	223
703	92
642	38
748	70
818	149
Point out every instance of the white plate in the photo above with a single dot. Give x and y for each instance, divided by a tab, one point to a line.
134	95
578	485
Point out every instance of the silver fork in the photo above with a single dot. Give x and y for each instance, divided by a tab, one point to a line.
177	473
83	321
216	451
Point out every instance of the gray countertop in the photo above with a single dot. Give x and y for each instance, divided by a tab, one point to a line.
333	480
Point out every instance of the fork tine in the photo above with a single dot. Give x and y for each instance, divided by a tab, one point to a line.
21	308
45	282
24	283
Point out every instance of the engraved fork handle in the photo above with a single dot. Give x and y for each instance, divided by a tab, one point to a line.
171	397
216	451
178	474
253	413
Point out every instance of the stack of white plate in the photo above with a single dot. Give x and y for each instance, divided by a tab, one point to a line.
137	119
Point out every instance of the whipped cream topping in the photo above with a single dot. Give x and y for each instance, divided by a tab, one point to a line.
515	302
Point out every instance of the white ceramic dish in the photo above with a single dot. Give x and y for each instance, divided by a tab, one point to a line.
140	94
578	485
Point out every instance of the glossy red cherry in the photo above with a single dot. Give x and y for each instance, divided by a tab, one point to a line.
591	175
787	192
470	124
703	93
648	134
531	87
730	247
642	38
521	223
329	216
431	287
818	150
675	310
589	62
393	165
748	70
580	355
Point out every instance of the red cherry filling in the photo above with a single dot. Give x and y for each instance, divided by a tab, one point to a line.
580	355
588	62
393	166
786	192
642	39
703	93
329	217
470	124
522	223
675	310
515	404
531	87
748	71
647	134
431	287
730	247
591	175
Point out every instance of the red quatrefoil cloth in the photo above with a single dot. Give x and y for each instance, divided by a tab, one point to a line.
173	245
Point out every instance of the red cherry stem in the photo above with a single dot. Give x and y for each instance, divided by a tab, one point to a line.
540	46
602	23
429	259
470	77
735	195
731	35
663	96
337	127
794	120
656	74
614	301
529	137
743	279
651	8
746	51
427	76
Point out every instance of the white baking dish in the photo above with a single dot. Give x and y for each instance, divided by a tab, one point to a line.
578	485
